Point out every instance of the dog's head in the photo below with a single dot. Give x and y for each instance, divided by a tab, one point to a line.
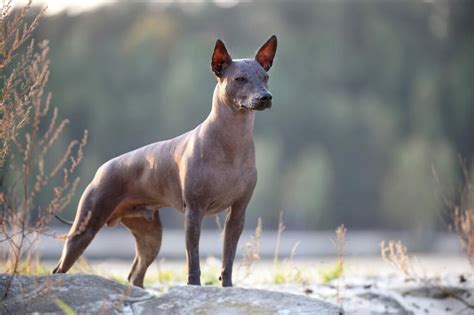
243	82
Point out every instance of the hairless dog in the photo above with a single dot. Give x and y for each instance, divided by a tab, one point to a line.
200	173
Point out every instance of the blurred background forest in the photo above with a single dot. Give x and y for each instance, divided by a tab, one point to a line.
369	97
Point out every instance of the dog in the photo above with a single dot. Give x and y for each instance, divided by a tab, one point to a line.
199	173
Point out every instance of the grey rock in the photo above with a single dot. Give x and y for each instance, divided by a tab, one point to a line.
216	300
87	294
385	303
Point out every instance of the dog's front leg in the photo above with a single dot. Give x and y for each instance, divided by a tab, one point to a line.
192	226
233	229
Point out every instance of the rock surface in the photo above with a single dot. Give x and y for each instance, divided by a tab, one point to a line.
85	294
58	293
216	300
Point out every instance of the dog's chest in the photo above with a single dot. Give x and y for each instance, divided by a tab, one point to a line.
228	189
216	183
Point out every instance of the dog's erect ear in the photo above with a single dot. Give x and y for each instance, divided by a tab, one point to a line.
220	58
266	53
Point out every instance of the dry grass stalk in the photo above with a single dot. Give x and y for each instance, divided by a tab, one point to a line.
341	247
281	228
396	254
293	250
219	227
341	244
462	213
29	132
15	31
460	203
463	225
252	250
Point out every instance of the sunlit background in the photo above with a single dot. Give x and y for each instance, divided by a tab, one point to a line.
373	100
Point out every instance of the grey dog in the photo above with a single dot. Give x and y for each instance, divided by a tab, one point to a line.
199	173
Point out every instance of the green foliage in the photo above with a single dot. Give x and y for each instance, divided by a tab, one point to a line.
121	280
29	267
164	276
279	277
330	273
64	307
211	270
287	272
210	279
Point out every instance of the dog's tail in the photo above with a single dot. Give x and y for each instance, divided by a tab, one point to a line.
63	220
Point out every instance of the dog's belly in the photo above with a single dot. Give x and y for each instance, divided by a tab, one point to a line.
219	204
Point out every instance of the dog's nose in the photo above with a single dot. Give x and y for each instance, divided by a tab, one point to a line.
266	97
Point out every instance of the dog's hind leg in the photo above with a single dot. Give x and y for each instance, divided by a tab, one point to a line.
147	232
91	216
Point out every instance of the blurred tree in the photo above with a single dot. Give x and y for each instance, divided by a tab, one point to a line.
367	96
306	189
409	196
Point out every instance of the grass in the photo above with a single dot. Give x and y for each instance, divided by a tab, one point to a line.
165	275
460	204
281	272
284	271
336	271
29	265
64	307
210	271
251	253
281	228
330	273
83	266
289	275
396	254
463	225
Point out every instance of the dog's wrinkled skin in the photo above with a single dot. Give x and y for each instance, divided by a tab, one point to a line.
200	173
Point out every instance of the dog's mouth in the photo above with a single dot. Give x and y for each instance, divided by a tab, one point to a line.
258	107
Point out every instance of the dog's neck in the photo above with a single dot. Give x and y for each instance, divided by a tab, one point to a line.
227	123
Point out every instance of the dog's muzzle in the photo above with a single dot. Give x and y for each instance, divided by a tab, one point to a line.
261	103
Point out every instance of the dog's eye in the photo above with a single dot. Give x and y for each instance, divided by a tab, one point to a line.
241	79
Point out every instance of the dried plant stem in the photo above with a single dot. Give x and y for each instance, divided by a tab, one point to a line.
341	247
396	254
29	132
281	228
460	203
252	250
219	227
463	225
